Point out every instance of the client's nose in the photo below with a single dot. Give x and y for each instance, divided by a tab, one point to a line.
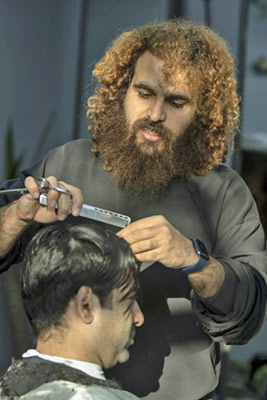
138	316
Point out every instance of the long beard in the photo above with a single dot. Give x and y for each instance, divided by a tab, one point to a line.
135	166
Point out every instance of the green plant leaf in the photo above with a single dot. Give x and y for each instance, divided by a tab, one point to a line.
12	164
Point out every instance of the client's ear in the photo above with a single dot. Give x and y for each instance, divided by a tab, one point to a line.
85	303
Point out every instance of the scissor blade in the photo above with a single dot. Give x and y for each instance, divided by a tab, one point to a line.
98	214
14	191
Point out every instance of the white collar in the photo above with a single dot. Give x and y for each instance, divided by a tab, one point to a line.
91	369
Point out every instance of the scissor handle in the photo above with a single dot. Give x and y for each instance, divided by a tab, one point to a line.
44	187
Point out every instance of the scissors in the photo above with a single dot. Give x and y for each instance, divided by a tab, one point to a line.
95	213
43	185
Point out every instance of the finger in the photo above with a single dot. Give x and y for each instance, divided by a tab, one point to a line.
64	204
140	235
58	201
149	222
77	198
53	195
144	246
32	186
152	255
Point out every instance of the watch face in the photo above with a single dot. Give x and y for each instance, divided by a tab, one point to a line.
202	251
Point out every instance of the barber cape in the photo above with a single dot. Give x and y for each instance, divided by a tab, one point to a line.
34	378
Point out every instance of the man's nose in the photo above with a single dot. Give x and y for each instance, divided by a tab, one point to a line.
138	316
156	112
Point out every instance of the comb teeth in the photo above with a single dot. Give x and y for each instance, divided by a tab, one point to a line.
97	214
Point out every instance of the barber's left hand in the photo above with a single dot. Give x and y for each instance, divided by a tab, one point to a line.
155	239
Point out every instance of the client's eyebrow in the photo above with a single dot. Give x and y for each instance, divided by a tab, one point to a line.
131	293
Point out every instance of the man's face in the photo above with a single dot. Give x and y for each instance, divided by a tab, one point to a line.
116	329
151	135
156	110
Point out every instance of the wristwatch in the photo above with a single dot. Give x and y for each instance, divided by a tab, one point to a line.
203	257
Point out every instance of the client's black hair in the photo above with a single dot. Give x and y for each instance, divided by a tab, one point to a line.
62	258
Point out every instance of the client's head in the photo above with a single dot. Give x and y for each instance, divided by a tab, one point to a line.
79	289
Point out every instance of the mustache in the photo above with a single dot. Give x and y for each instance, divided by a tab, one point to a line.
147	124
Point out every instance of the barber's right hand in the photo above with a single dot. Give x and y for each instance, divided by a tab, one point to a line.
28	208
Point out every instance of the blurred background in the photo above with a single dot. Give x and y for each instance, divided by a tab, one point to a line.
48	49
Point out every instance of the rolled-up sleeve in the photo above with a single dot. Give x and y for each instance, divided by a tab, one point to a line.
236	313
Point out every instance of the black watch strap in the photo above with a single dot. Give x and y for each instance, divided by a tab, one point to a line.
203	258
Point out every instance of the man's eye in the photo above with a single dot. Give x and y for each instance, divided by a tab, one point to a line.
144	95
128	309
176	105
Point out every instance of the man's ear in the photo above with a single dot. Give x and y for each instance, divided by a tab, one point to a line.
85	304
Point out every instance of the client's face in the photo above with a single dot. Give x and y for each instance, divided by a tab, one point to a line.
117	327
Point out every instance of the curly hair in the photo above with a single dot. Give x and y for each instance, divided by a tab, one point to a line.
204	56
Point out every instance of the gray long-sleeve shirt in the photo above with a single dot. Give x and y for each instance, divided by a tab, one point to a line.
178	344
